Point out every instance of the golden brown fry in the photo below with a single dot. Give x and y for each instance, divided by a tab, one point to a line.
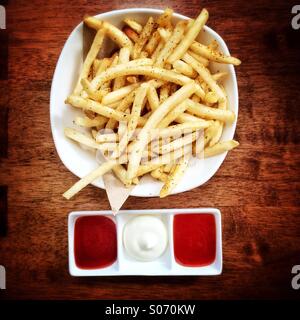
93	22
134	25
200	59
164	20
131	34
184	69
91	56
86	140
213	55
152	97
189	37
119	94
146	70
143	37
89	123
92	176
203	111
175	176
119	71
88	104
171	43
159	174
116	35
152	43
164	92
124	56
220	148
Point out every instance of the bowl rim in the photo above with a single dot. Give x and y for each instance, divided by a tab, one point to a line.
207	29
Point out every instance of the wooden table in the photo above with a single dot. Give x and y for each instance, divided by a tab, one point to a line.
256	188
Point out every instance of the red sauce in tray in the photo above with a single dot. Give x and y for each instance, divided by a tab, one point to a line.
194	239
95	243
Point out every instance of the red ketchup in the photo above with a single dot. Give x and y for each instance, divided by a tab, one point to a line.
194	239
95	243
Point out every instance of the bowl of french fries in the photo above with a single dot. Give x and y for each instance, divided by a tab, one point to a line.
152	91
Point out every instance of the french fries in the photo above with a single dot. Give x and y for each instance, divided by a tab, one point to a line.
155	98
143	37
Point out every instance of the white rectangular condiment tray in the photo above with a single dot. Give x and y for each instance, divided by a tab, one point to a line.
165	265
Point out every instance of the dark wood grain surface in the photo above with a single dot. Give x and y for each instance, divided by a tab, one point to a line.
257	187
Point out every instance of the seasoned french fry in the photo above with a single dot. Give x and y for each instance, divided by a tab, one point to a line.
182	128
190	36
152	43
220	147
164	92
144	36
106	137
121	173
186	117
220	125
86	140
211	97
132	79
173	114
184	69
171	43
213	55
124	56
89	123
134	25
152	97
159	174
88	104
93	22
200	59
119	71
92	176
219	76
134	117
165	34
119	37
203	111
131	34
95	67
164	20
176	144
167	157
119	94
146	168
213	45
147	70
175	176
168	167
91	56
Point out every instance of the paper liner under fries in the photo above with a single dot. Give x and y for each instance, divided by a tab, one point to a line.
116	192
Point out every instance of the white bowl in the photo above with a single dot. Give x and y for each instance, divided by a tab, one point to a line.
80	161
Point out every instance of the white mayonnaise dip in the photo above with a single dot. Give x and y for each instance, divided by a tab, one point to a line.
145	238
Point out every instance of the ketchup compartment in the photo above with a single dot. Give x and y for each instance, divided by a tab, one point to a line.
95	242
194	238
